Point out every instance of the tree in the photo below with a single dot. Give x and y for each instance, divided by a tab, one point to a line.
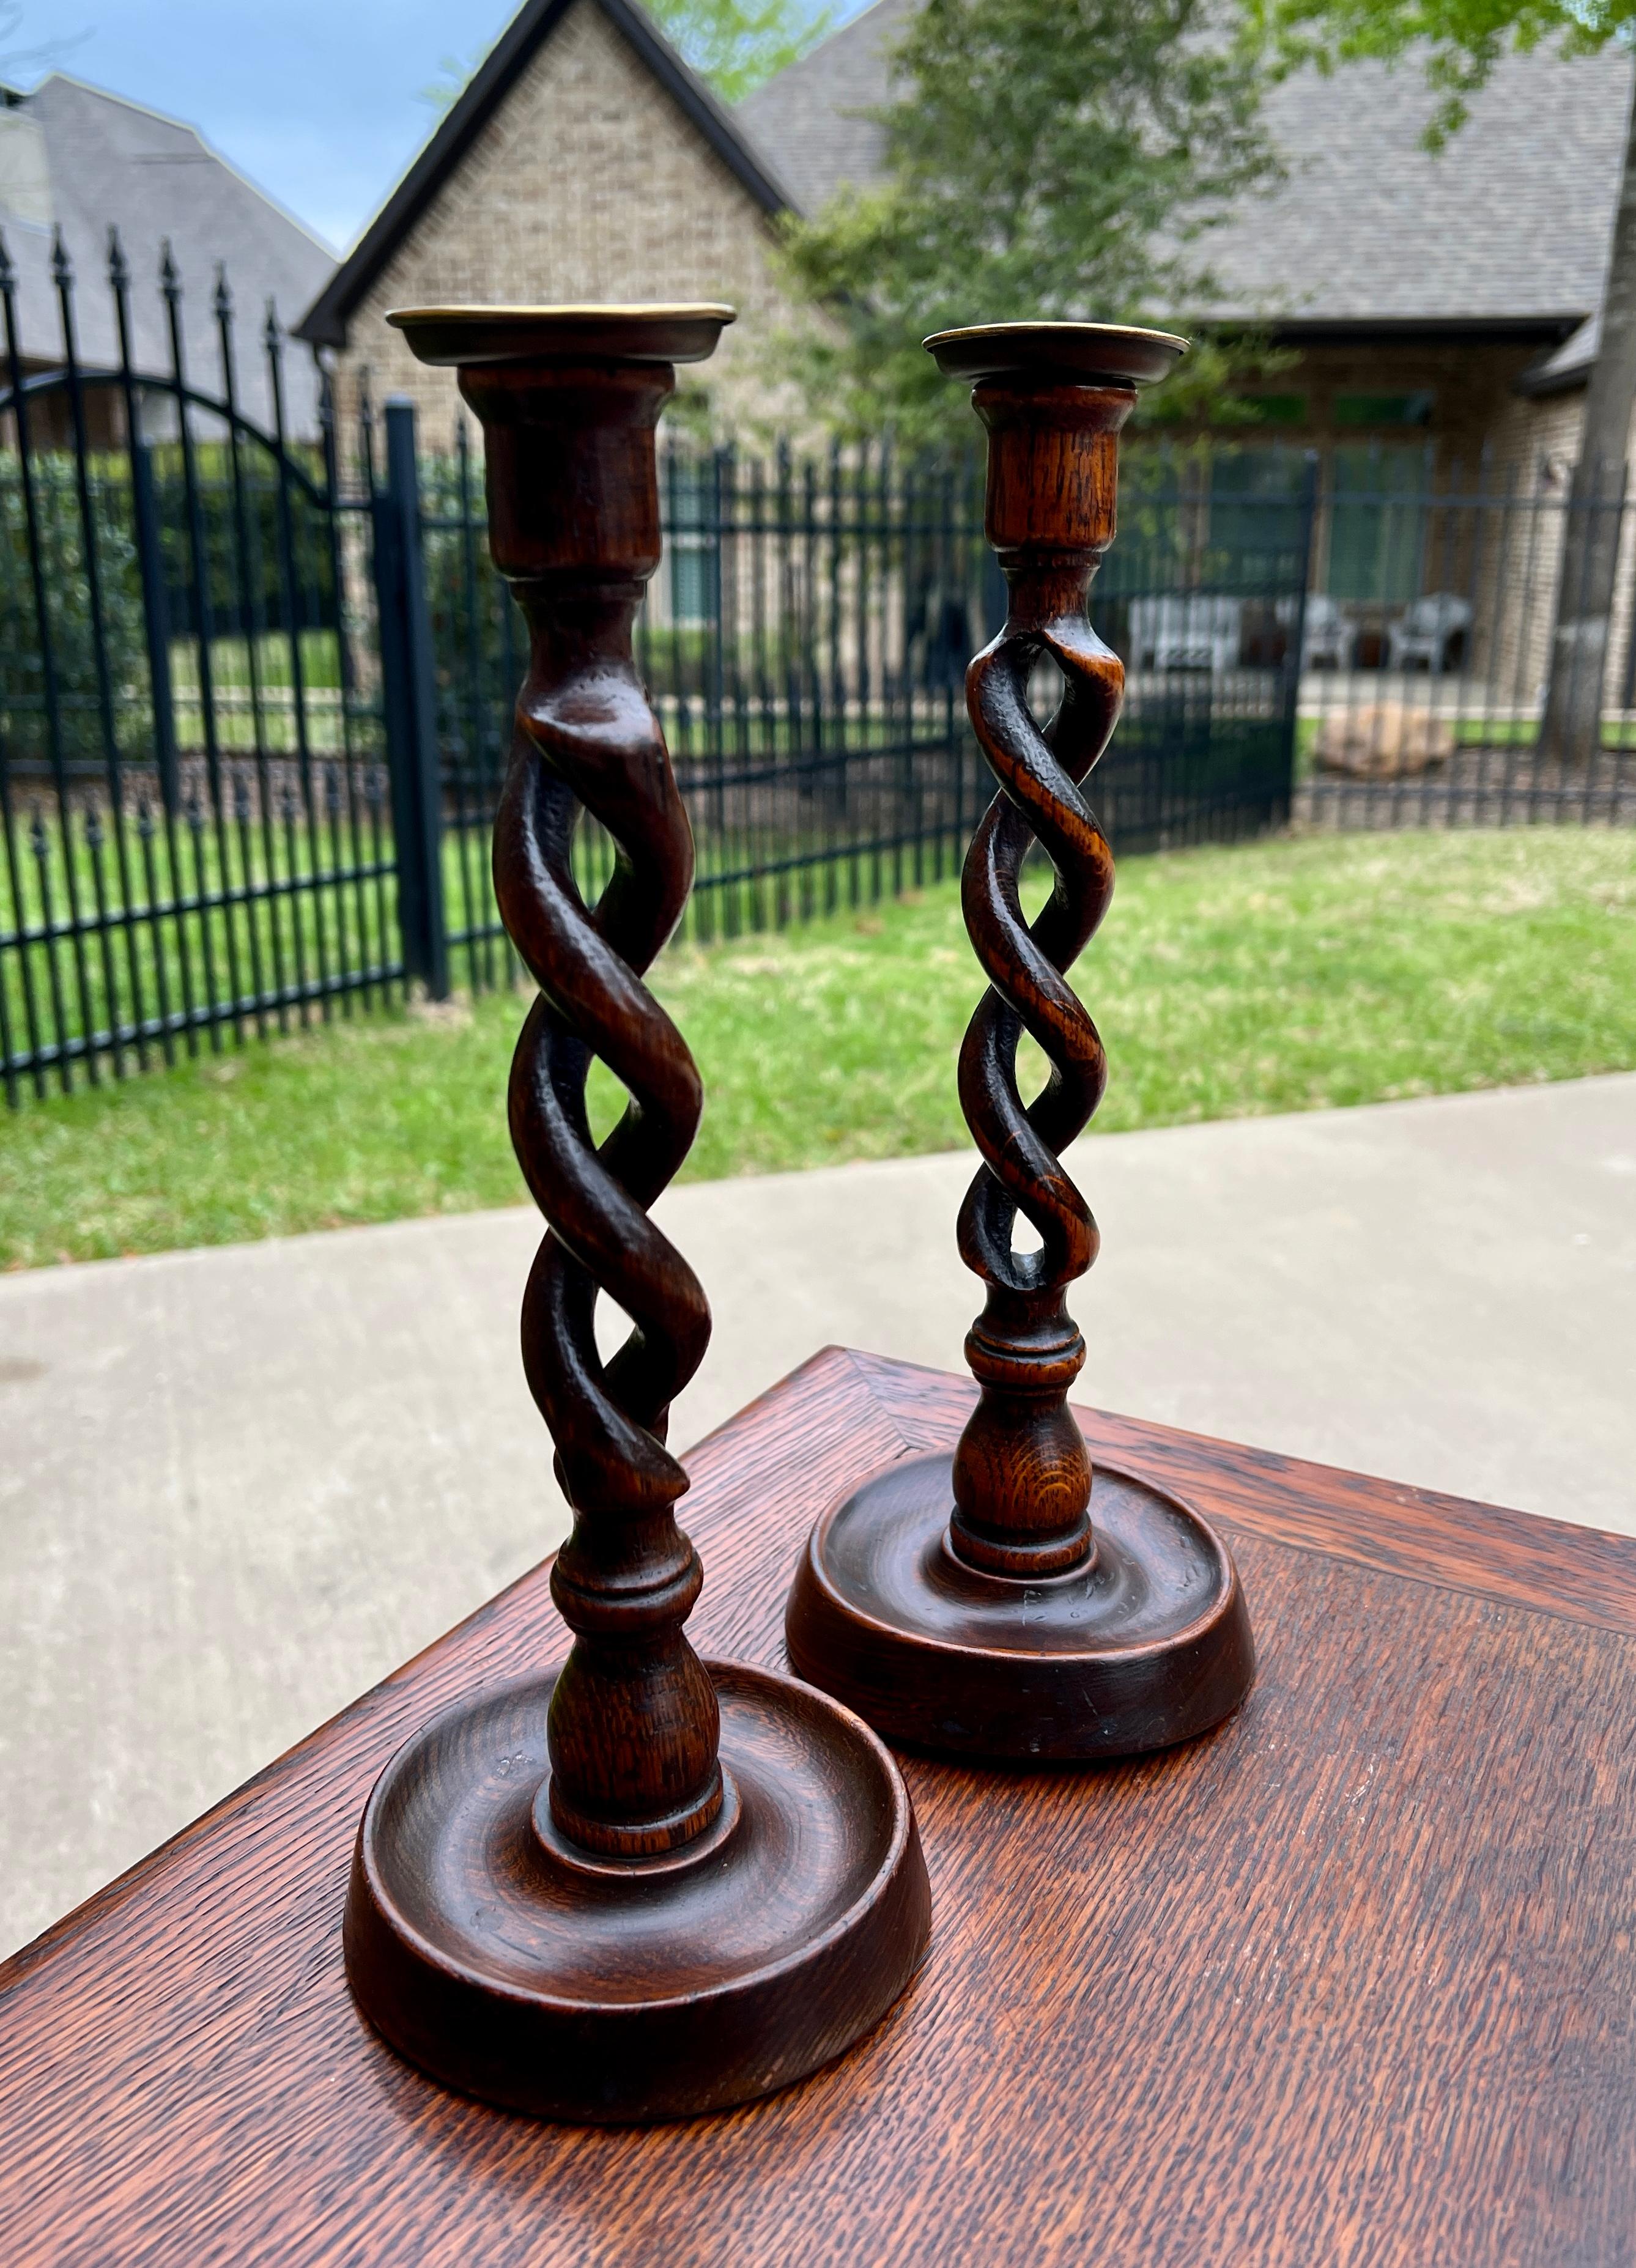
1460	42
734	44
1044	161
737	44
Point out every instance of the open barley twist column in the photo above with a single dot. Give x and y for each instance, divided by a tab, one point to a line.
633	1722
642	1885
969	1603
1022	1477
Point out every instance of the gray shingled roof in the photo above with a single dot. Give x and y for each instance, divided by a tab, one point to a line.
809	114
111	162
1512	224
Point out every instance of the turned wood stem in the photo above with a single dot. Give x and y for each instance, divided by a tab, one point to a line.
1021	1473
574	527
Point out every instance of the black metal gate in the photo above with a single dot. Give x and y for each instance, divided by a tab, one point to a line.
193	788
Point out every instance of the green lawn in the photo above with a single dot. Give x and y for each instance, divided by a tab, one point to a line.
1287	976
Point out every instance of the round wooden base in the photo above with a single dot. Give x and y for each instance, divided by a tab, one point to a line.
1148	1645
509	1964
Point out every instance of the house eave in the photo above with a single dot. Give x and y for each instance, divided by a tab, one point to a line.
1544	329
1543	384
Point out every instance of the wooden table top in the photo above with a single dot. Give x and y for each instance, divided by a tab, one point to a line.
1349	1981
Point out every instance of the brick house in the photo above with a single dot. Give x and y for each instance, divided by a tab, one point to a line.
1445	299
1440	310
1450	297
584	161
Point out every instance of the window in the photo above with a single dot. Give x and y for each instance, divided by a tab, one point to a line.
1383	408
1377	524
1275	409
1257	516
693	540
693	600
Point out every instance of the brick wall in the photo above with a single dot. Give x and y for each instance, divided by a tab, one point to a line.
587	183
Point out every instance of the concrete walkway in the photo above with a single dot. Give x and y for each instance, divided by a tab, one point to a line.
240	1485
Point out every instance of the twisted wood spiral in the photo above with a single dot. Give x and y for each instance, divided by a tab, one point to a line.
634	1723
711	1882
1022	1474
1003	1626
1026	1348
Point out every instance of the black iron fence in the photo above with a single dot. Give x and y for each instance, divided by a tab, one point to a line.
256	686
1437	686
805	643
194	796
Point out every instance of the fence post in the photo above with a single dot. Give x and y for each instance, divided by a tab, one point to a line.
409	702
1295	650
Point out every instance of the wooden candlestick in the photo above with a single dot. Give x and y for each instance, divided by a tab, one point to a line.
967	1604
644	1886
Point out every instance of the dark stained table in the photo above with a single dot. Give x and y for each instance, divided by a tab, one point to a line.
1349	1981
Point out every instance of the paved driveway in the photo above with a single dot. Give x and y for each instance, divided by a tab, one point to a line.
240	1485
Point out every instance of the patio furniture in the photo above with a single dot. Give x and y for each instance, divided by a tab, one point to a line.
1365	1950
1186	630
1328	633
1424	633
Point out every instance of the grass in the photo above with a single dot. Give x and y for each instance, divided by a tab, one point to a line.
258	708
279	898
1295	975
203	922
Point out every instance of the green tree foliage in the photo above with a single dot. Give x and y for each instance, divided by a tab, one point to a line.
734	44
59	530
1458	42
737	44
1046	160
443	92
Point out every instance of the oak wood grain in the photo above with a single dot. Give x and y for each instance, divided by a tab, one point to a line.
1350	1980
1517	1556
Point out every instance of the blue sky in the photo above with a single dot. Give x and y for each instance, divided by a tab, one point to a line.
317	100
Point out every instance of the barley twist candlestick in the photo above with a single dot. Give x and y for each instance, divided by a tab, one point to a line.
967	1604
645	1885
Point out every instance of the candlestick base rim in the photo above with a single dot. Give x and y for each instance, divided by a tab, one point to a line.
1145	1645
621	1995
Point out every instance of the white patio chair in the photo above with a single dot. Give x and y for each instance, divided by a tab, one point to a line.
1329	636
1186	630
1425	631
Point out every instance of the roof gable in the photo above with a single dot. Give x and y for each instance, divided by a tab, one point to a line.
814	111
112	162
325	323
